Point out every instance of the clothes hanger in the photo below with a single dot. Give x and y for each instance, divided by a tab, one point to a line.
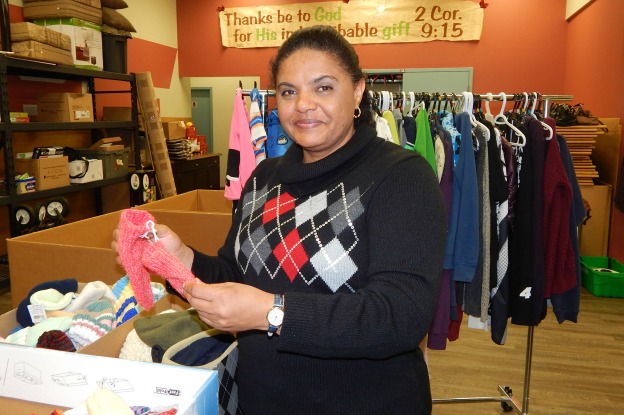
546	126
489	97
412	98
501	119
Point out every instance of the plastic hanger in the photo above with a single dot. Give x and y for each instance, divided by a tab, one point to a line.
501	119
489	97
546	126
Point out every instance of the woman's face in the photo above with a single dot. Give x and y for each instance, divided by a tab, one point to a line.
316	100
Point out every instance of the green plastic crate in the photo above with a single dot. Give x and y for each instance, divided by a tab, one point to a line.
602	276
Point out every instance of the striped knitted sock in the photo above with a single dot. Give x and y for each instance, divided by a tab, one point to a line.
126	306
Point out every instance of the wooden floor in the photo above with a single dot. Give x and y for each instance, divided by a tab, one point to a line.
577	369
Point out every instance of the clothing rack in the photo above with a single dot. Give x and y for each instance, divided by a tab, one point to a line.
264	93
507	401
490	97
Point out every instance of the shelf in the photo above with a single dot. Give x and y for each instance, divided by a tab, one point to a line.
27	67
56	126
42	194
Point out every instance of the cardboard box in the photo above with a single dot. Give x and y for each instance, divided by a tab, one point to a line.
65	107
24	31
117	114
69	378
40	51
594	235
43	256
90	11
49	172
85	171
173	130
86	40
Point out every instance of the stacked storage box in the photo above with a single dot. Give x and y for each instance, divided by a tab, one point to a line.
81	20
32	41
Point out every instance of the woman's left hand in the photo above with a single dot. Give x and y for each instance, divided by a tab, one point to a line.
229	306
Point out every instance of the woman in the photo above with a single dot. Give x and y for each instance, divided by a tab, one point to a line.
348	230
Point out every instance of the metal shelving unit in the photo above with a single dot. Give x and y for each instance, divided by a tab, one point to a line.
11	65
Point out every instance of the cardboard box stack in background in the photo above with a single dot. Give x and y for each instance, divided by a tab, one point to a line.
32	41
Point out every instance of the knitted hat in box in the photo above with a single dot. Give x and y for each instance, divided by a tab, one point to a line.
52	299
168	328
90	324
69	285
106	402
57	340
126	306
51	323
134	349
93	291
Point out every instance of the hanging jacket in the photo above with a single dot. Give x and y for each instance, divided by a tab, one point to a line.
277	140
241	159
256	126
462	248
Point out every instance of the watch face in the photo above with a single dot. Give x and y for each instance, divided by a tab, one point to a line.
276	316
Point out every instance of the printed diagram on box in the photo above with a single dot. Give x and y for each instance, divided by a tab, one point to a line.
116	385
27	373
70	379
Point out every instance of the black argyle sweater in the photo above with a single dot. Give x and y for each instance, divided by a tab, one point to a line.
355	241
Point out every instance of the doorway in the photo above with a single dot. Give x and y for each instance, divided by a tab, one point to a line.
201	111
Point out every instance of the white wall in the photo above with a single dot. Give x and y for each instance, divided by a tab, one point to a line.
155	21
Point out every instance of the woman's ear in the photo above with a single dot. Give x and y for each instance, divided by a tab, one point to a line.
360	87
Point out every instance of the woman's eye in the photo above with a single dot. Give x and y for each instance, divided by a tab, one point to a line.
325	88
287	92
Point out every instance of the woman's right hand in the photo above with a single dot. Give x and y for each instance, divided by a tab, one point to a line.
169	239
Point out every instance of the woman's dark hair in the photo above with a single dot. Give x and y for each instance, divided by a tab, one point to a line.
326	39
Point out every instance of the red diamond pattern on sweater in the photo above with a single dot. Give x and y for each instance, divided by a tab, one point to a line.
290	254
277	206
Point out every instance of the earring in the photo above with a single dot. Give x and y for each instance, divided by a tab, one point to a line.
358	112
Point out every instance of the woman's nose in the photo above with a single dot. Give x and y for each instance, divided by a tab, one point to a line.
305	102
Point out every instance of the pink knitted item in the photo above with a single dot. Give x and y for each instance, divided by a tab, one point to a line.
131	246
159	261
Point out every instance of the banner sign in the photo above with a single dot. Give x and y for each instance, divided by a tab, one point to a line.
365	21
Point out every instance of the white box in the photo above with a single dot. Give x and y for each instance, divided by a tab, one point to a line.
66	380
92	171
86	40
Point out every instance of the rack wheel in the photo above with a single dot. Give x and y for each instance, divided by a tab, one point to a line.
41	212
57	207
25	216
506	407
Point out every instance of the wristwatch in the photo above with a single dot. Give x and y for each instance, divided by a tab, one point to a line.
275	316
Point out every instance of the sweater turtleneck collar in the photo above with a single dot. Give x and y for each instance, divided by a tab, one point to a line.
304	178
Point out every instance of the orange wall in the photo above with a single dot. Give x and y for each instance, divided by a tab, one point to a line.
522	47
525	46
594	75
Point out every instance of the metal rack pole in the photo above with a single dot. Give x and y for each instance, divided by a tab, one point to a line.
506	399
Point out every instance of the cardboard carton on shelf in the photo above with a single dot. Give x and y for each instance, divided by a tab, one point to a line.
86	38
65	107
49	172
